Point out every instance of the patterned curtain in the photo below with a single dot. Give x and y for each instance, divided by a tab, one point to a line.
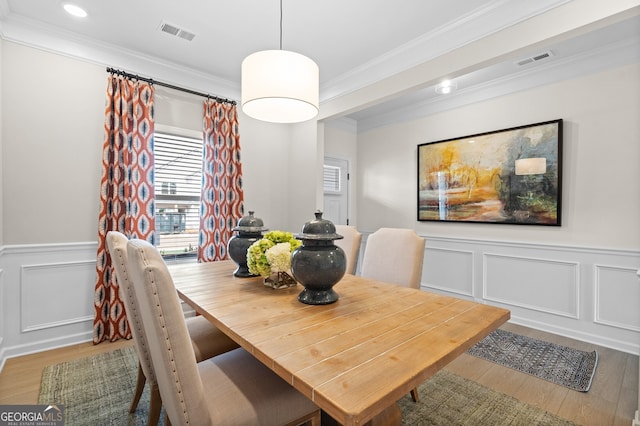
126	192
221	204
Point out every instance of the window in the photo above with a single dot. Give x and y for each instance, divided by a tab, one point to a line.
178	180
331	178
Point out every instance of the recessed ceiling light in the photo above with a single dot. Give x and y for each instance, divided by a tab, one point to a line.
446	86
75	10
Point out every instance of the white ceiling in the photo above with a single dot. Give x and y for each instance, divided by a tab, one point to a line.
355	42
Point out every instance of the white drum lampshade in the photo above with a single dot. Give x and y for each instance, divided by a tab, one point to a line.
280	86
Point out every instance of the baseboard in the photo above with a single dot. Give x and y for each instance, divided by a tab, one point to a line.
44	345
618	345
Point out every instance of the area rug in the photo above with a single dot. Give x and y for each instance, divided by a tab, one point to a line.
555	363
97	390
448	399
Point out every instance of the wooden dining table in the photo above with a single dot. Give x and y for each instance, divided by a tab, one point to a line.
354	358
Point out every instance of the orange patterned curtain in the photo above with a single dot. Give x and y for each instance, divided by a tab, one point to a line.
222	201
126	192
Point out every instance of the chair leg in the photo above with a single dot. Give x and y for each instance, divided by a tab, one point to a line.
414	395
140	381
312	419
316	419
155	406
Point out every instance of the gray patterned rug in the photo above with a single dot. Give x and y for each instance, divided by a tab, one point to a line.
555	363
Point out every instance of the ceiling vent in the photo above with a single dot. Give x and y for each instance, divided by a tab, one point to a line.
176	31
536	58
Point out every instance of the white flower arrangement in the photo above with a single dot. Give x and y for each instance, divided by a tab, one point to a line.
279	257
272	253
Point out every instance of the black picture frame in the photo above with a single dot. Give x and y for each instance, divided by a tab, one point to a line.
508	176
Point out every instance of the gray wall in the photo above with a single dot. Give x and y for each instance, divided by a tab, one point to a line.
601	175
52	146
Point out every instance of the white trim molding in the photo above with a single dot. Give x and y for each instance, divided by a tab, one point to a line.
636	420
528	282
47	296
53	294
573	291
46	291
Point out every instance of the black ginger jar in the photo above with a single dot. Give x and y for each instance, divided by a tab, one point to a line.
318	264
249	230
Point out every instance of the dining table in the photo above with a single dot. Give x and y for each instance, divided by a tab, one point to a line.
354	358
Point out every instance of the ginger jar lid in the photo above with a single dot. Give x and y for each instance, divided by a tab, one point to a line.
319	229
250	223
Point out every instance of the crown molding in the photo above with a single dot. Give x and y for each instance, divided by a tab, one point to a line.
48	38
606	57
483	21
480	23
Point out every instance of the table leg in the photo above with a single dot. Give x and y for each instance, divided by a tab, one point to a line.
391	416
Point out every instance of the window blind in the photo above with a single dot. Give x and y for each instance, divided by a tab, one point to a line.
178	180
331	178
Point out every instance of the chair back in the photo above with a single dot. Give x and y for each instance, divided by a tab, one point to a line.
172	354
350	244
395	256
117	246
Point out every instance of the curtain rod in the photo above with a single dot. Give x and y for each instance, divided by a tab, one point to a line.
170	86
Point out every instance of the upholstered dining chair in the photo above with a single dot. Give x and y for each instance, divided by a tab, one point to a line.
394	255
206	339
233	388
350	244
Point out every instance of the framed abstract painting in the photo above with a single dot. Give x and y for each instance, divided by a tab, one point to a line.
509	176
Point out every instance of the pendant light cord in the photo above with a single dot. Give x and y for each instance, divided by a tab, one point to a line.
280	24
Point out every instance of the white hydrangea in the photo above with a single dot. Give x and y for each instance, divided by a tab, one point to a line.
279	257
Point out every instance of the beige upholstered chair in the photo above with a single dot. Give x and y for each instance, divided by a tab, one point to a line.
206	339
230	389
394	255
350	244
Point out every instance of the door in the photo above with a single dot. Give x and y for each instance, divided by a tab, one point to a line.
336	190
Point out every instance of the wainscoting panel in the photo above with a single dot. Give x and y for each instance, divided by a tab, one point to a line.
585	293
541	284
610	309
1	305
457	279
47	296
590	294
56	294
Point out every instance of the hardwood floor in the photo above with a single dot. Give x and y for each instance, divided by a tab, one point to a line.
612	399
20	377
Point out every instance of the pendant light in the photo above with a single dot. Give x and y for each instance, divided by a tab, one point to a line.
280	86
